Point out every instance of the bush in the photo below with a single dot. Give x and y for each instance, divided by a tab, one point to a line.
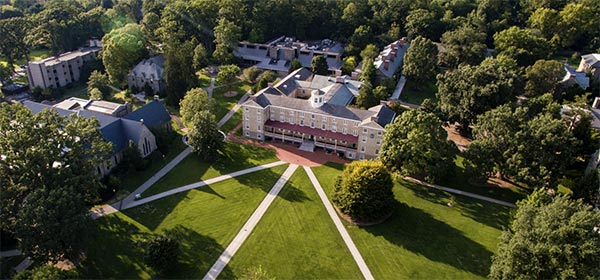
364	191
165	139
132	160
251	73
162	253
45	272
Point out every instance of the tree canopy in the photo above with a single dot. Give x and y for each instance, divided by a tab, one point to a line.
420	61
204	136
122	49
543	77
472	90
415	144
46	177
558	240
523	45
463	45
364	191
319	65
194	101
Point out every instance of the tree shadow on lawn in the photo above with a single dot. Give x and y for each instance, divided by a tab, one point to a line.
152	214
487	213
419	232
208	189
197	255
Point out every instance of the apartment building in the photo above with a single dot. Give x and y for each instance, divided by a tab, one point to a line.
313	111
277	54
59	71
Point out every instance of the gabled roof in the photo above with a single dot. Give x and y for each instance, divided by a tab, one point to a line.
592	60
579	77
394	54
154	114
151	68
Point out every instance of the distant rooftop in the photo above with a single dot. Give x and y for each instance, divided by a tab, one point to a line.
391	58
151	68
99	106
66	56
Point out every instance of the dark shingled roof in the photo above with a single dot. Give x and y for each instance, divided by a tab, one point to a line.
153	114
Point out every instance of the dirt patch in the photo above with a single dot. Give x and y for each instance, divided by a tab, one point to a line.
461	142
230	93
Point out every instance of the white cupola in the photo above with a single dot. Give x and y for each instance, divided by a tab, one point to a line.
317	98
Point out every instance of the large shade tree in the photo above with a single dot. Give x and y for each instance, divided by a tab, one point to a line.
524	45
47	177
463	45
543	77
415	144
364	191
195	100
204	136
123	48
420	61
556	240
470	91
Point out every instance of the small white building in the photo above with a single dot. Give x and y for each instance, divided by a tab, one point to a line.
148	72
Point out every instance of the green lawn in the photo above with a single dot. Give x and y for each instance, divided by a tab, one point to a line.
204	220
222	103
33	55
79	89
203	80
460	181
296	239
411	94
132	180
232	122
424	238
193	169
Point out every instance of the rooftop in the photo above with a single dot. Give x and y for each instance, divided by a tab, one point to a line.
66	56
151	68
390	59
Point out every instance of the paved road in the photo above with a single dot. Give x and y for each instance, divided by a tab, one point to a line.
455	191
200	184
234	109
243	234
364	269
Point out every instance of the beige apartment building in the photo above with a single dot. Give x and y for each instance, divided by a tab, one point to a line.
312	111
59	71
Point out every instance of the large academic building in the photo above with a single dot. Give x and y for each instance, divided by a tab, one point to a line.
312	111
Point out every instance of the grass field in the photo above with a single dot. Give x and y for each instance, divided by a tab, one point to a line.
204	220
424	238
222	103
232	122
193	169
411	94
33	55
296	239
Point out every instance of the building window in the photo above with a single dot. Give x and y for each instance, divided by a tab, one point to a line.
323	127
362	157
247	116
362	149
301	114
312	116
344	130
372	136
312	124
333	120
258	118
259	136
282	118
247	126
291	113
259	128
247	133
364	130
333	128
379	133
302	122
246	109
350	155
291	120
377	151
364	139
345	122
355	132
378	141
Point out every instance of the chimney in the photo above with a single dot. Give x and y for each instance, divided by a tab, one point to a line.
338	73
393	55
340	79
596	104
355	75
270	84
386	64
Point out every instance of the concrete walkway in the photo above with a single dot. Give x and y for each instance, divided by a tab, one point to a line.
130	198
234	109
211	87
10	253
364	269
200	184
243	234
399	87
455	191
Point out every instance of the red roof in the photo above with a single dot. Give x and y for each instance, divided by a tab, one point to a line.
313	131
